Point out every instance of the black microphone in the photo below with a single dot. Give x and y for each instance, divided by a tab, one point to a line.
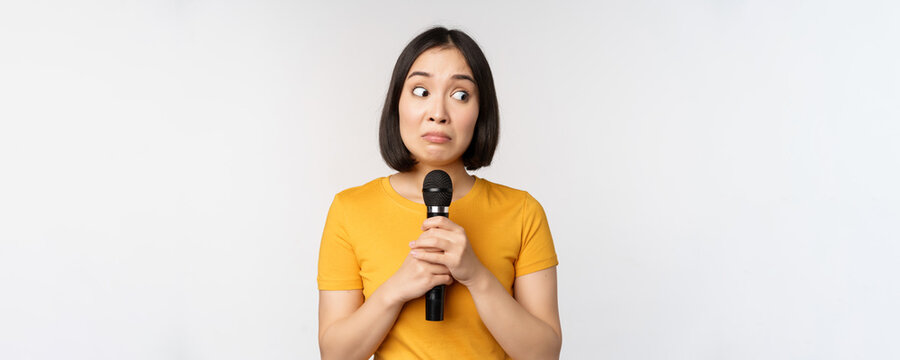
437	191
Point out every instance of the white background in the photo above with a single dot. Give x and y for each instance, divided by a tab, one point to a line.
721	177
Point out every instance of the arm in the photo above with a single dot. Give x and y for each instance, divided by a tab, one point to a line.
527	327
350	328
353	328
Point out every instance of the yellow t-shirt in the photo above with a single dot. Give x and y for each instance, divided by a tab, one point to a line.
366	238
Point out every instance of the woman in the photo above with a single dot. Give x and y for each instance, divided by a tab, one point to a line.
379	254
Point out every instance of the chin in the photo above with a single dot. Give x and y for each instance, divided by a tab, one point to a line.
433	161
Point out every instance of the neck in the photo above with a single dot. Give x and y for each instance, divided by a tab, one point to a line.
409	184
457	171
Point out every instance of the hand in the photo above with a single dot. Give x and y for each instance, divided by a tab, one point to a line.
414	278
443	242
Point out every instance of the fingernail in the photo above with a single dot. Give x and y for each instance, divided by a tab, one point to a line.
412	243
413	253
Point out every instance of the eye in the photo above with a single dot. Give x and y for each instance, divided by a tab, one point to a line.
462	95
420	91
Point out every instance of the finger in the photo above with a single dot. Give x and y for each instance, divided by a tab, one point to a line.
439	233
432	257
432	269
442	280
431	242
439	222
437	269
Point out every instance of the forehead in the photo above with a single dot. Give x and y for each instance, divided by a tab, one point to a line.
443	62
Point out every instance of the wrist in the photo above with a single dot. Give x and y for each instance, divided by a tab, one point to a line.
386	299
481	281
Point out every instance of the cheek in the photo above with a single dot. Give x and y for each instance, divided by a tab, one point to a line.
402	107
468	120
405	113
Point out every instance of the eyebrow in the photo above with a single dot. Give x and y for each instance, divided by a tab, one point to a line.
457	76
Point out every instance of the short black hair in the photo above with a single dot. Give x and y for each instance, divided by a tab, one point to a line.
487	126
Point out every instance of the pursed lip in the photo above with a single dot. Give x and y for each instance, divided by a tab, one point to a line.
436	134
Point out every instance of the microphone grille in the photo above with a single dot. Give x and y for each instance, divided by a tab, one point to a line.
437	189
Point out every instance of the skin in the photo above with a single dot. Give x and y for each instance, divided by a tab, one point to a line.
437	102
526	324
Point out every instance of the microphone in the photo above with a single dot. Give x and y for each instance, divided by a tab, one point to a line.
437	191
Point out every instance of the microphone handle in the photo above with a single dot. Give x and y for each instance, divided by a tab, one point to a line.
434	298
434	303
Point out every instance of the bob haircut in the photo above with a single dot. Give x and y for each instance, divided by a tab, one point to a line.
487	126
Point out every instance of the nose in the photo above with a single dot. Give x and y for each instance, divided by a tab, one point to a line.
438	111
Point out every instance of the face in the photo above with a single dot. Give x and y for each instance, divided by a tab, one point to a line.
439	96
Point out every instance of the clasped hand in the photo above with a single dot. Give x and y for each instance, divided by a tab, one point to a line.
443	242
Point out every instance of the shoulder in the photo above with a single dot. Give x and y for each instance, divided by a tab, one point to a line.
359	196
506	191
508	194
360	191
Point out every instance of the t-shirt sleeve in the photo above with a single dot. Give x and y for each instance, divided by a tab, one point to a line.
338	267
537	251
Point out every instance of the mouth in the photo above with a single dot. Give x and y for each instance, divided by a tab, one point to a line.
436	137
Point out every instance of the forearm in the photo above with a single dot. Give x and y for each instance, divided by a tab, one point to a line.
359	335
521	334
